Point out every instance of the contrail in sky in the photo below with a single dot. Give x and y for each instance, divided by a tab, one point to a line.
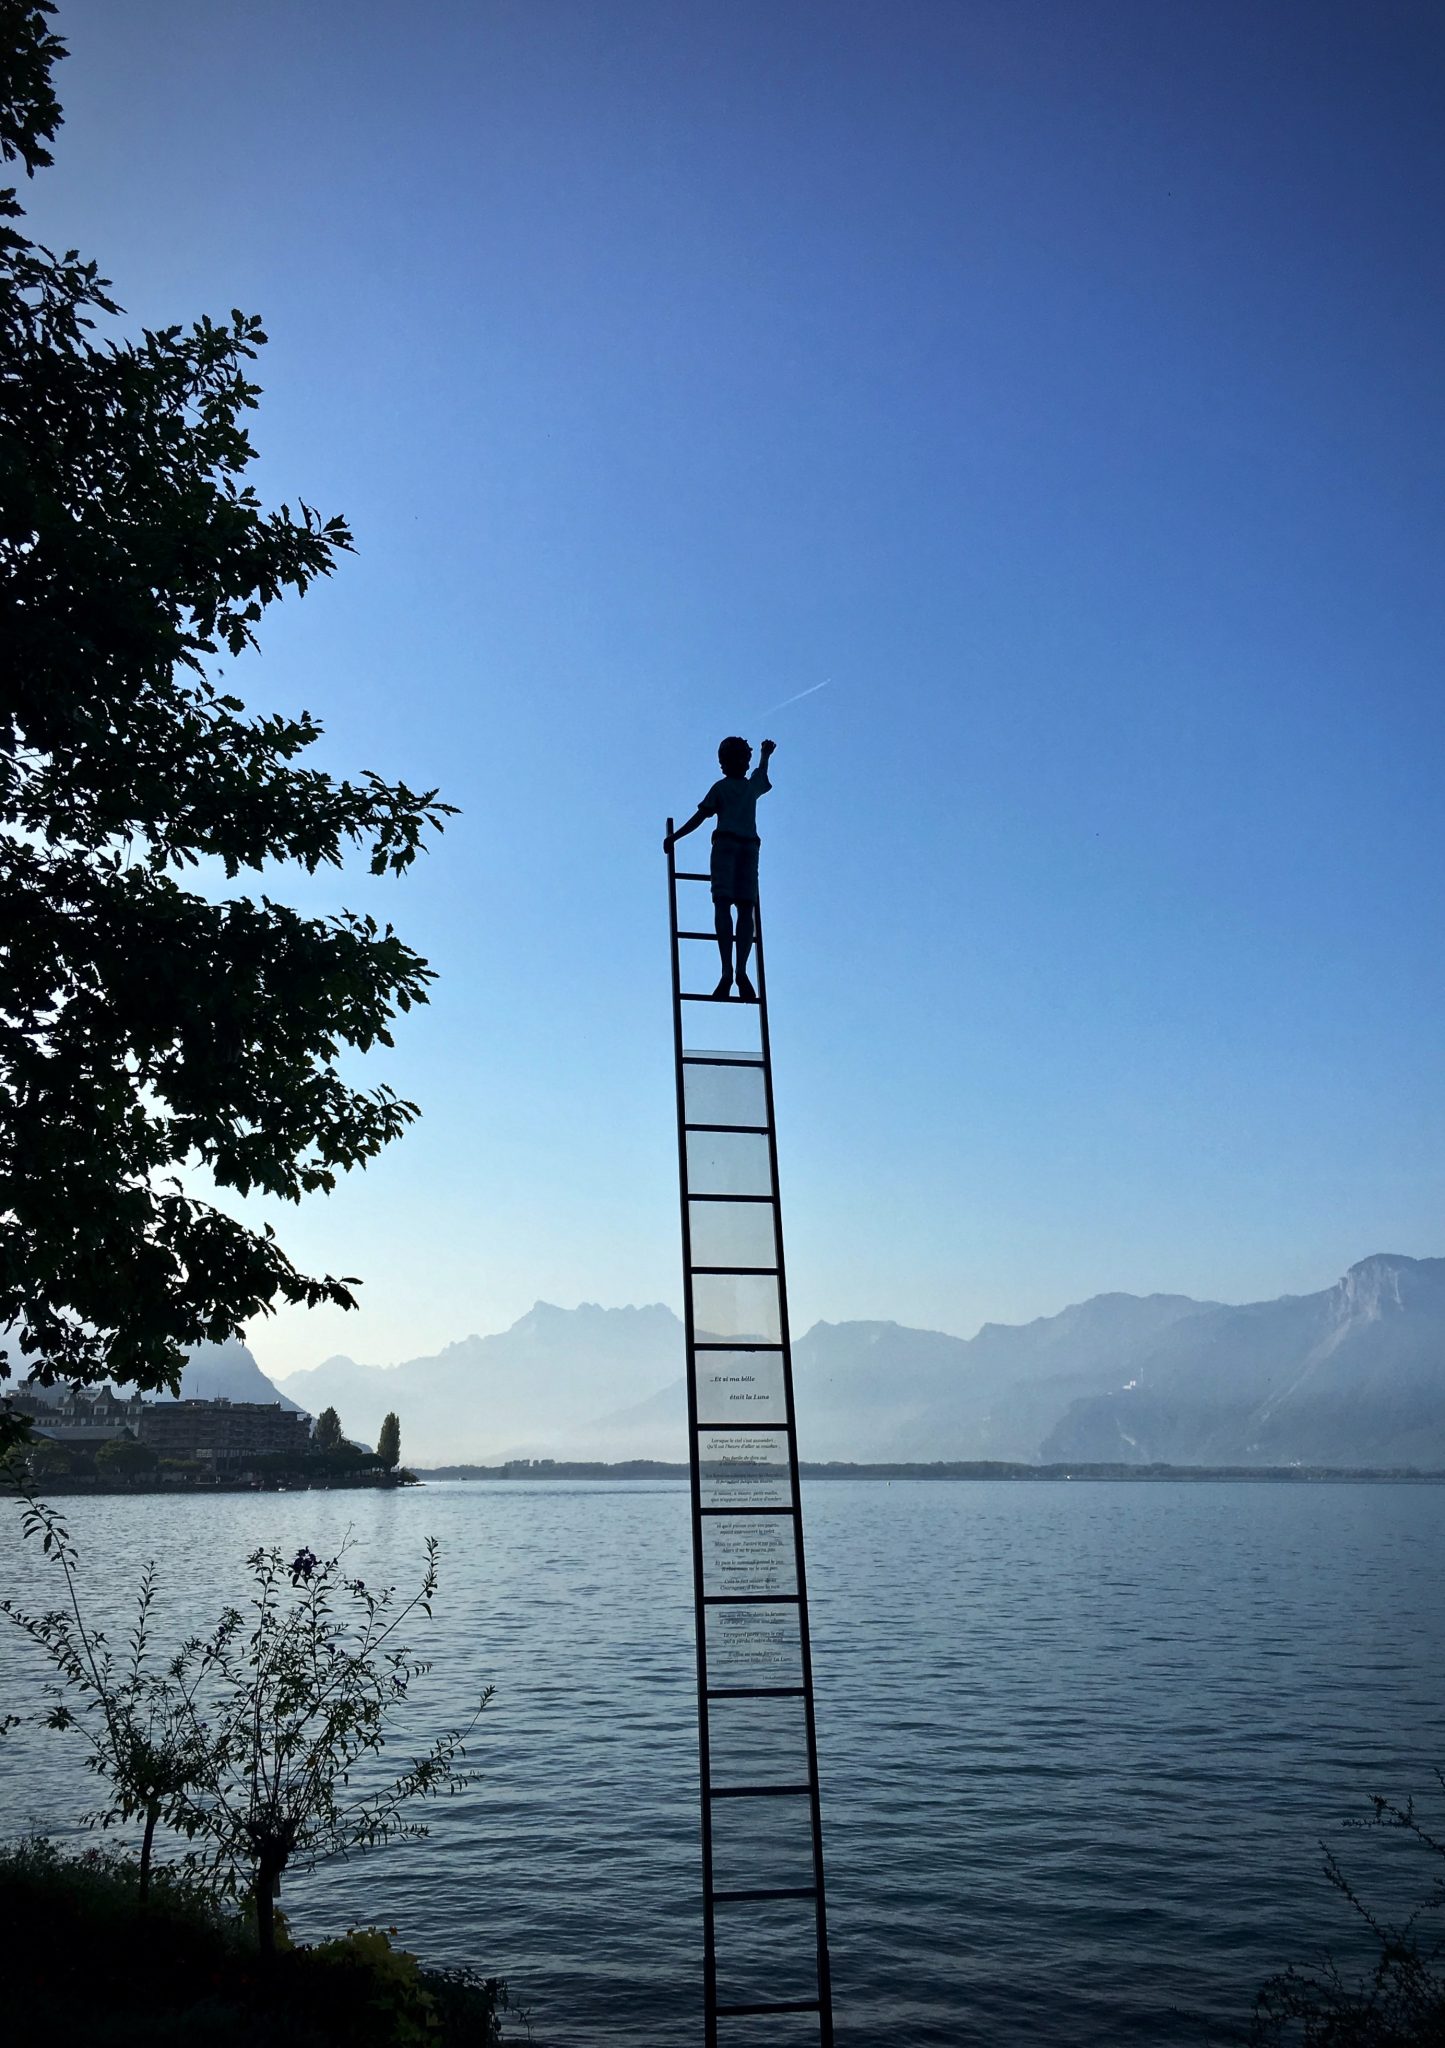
812	687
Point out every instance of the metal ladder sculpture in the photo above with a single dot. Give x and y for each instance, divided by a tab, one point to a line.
765	1955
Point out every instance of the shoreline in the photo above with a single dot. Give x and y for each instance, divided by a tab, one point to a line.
62	1483
650	1468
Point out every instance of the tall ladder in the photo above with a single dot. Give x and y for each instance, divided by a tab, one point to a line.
765	1931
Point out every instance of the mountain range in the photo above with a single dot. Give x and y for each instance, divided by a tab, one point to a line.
1351	1376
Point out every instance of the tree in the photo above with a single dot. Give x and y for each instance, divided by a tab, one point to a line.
327	1435
124	1458
48	1459
388	1444
146	1028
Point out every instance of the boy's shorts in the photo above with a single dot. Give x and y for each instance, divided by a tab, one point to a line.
734	868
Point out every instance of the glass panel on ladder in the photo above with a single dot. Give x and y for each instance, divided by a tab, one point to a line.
722	1028
732	1233
728	1163
731	1094
736	1306
762	1844
739	1468
748	1554
740	1387
753	1645
757	1741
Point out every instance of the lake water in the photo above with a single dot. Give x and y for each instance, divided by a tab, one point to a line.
1078	1742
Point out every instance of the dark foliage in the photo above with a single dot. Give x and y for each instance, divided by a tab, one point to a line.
1400	2003
388	1444
124	1458
145	1027
327	1434
183	1968
343	1461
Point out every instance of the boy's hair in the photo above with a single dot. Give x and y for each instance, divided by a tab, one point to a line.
734	754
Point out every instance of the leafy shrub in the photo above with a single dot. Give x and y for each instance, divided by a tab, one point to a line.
247	1739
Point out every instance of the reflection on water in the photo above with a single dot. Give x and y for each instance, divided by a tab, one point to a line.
1077	1742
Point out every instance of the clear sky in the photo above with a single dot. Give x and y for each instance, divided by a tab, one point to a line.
1063	383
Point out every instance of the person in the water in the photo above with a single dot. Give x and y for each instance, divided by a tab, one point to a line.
732	803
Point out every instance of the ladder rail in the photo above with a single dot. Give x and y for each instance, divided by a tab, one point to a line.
709	1936
805	1645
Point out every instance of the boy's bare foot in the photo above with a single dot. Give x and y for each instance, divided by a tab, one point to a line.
746	992
723	988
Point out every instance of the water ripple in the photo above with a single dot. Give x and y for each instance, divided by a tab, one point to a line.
1078	1742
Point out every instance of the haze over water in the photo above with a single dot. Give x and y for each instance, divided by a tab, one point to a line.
1078	1741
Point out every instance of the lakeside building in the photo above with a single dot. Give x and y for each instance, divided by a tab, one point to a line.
222	1431
218	1432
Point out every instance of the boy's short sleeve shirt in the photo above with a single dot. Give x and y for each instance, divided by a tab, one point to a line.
733	801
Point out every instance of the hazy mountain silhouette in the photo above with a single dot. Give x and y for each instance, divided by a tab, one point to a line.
227	1372
213	1372
520	1393
1354	1375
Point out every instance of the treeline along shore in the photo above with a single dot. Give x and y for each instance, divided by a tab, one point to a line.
653	1468
285	1479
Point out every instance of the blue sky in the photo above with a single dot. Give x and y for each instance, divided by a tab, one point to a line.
1063	383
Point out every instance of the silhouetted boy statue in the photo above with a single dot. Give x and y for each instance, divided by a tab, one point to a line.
733	802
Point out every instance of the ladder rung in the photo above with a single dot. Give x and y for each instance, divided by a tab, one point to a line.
711	937
697	996
734	1344
757	1791
770	1891
771	1271
754	1692
747	1428
772	2006
722	1059
690	875
741	1511
748	1130
751	1599
780	2006
730	1198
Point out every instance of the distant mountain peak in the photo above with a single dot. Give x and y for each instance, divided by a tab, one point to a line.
1386	1283
591	1311
1386	1266
228	1372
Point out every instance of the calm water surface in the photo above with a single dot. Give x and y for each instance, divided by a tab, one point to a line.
1078	1742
